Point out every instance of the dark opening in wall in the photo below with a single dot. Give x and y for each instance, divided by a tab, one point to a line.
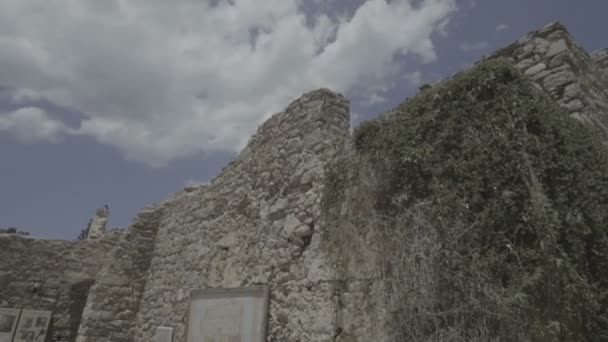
78	298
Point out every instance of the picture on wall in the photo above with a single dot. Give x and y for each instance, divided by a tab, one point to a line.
33	326
228	315
8	323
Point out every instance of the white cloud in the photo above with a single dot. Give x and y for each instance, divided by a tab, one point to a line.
165	79
372	99
31	125
478	46
442	27
415	78
502	27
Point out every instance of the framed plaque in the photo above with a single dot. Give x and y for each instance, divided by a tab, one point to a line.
163	334
8	323
33	326
228	315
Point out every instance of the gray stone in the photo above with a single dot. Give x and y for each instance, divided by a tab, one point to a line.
533	70
541	75
65	271
303	231
227	241
541	44
558	79
98	223
574	106
525	64
291	225
556	47
571	91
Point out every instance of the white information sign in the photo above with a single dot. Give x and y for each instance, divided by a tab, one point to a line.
229	315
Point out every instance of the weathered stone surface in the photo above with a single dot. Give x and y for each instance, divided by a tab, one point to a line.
258	222
65	270
556	47
576	80
535	69
98	223
600	57
120	282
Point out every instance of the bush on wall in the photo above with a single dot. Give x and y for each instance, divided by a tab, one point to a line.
488	207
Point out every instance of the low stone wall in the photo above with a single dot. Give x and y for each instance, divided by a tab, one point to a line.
559	66
64	269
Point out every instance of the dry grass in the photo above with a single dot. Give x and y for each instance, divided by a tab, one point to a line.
481	210
406	253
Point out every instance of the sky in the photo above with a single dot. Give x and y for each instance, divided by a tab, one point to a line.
123	102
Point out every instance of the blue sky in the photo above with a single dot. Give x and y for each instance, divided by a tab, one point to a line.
124	102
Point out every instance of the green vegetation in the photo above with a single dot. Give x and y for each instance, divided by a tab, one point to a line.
487	210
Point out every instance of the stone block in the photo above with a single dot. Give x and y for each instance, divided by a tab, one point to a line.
556	47
535	69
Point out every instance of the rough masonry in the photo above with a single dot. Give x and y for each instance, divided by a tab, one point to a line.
51	275
564	70
98	223
258	222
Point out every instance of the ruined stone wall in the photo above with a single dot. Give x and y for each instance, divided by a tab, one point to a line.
600	57
114	299
563	69
98	223
258	222
558	66
64	269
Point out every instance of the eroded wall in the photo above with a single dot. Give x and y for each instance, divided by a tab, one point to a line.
65	271
258	222
558	65
600	57
114	299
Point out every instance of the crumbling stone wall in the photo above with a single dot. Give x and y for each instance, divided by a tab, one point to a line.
113	301
558	66
600	57
563	69
98	223
258	222
65	271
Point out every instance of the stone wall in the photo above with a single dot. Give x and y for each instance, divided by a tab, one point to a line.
113	301
564	70
558	66
97	227
64	269
258	222
600	57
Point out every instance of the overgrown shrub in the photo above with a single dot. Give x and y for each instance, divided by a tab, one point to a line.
488	211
